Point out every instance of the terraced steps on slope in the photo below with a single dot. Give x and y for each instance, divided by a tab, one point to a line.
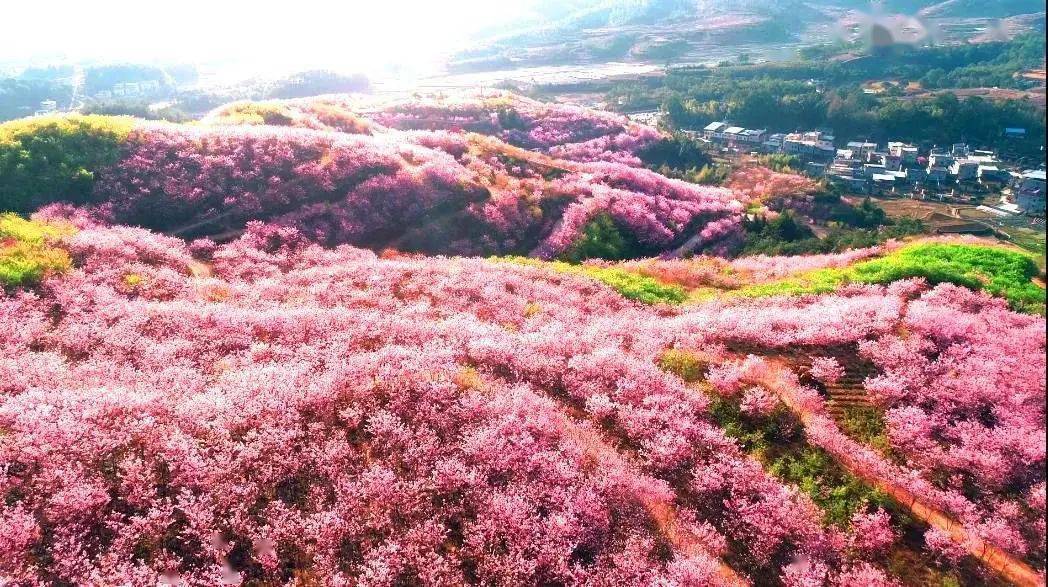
848	392
1007	566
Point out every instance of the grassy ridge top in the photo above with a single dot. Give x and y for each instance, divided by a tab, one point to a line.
629	284
1000	271
56	157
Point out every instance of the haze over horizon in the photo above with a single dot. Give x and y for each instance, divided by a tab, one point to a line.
359	36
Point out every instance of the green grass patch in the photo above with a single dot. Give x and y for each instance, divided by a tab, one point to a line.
778	441
53	158
684	364
1032	241
631	285
866	424
26	253
997	270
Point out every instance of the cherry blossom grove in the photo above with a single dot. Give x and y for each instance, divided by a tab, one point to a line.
277	350
432	191
270	409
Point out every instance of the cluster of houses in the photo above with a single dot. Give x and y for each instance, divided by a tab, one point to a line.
816	145
130	89
898	168
901	168
46	107
1028	191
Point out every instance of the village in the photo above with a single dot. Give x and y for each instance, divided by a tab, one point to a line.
955	174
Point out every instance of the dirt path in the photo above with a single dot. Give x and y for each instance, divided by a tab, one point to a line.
200	270
1004	564
689	246
663	512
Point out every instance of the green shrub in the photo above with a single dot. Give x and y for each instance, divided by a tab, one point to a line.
677	152
866	424
710	175
686	365
56	158
25	251
256	114
1002	272
838	493
601	239
768	237
778	441
781	162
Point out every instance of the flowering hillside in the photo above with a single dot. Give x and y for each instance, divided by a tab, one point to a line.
565	131
228	356
340	178
269	409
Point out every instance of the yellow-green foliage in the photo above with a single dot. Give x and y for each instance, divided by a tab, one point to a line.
255	114
26	253
56	157
1002	272
629	284
686	365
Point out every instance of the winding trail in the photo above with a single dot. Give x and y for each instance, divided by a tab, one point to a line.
663	512
777	378
200	270
689	246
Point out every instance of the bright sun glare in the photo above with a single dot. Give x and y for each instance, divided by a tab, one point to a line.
349	35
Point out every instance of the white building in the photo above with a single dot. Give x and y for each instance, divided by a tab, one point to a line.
940	158
871	169
1030	193
47	107
992	174
905	152
965	170
715	130
862	150
813	144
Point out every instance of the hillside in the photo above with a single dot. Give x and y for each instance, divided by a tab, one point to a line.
686	31
330	342
446	189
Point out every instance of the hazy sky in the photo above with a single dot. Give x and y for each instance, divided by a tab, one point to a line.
350	34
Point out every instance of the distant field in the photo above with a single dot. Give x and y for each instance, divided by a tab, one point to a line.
1031	240
935	216
1035	96
897	207
1036	74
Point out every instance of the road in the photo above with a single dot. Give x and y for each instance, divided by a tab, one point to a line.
76	101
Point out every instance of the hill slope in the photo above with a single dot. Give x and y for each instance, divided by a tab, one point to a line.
273	405
343	178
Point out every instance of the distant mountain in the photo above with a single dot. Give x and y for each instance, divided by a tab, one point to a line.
981	8
575	31
581	16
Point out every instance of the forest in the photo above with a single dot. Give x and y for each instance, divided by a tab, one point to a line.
819	93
